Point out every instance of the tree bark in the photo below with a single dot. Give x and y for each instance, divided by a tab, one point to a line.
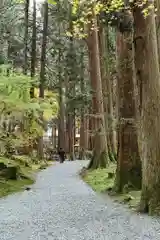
107	92
100	151
42	72
84	119
25	67
128	159
33	48
54	137
91	128
70	134
147	73
61	118
157	3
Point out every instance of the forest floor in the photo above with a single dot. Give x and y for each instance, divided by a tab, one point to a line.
17	173
103	181
61	206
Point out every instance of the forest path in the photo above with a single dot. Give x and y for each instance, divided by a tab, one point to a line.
61	206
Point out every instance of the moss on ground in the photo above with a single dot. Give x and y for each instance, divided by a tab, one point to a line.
99	179
102	181
12	186
26	170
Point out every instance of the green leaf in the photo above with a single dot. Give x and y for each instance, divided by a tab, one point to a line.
53	2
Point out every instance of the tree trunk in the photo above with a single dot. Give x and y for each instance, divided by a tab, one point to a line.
83	123
128	159
33	50
147	70
157	3
100	155
42	71
61	128
107	92
54	137
25	67
90	126
70	132
111	121
83	136
70	91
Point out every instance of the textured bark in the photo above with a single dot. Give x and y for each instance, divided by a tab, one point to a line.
157	3
147	70
107	92
84	118
42	71
70	91
33	50
70	133
25	67
128	159
54	137
61	129
91	128
43	51
83	137
100	151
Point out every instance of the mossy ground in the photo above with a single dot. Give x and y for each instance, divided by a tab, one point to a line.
27	171
102	181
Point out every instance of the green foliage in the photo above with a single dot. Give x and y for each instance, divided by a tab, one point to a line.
12	186
102	180
20	116
25	174
99	179
52	2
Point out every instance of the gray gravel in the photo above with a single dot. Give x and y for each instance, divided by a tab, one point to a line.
61	206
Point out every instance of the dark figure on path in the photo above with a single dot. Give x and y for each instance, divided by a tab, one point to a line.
61	155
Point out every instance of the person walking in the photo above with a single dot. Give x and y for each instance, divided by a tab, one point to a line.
61	153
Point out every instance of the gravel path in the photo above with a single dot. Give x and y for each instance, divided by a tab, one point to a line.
61	206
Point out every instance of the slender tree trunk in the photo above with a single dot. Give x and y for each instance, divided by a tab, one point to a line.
54	135
83	136
147	73
33	50
25	67
42	71
100	155
102	52
70	89
91	128
128	160
61	129
112	130
107	92
66	135
83	124
157	3
70	132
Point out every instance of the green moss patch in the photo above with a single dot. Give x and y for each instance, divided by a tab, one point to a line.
102	181
18	172
12	186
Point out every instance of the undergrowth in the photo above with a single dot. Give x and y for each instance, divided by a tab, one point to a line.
102	181
25	168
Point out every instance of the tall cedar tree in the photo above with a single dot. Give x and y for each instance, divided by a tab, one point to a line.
128	159
100	151
42	70
33	47
25	67
147	78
